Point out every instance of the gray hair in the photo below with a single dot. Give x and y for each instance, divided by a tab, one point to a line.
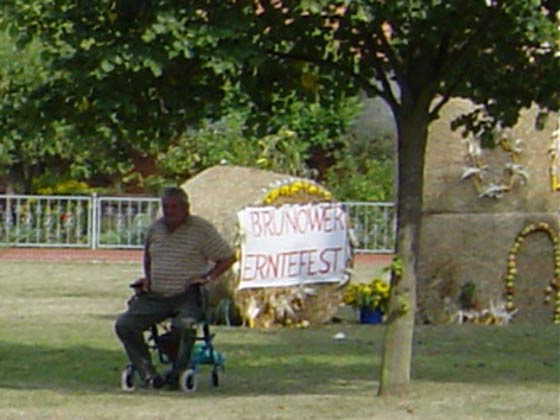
176	192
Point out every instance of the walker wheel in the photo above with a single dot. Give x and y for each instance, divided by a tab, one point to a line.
187	380
127	379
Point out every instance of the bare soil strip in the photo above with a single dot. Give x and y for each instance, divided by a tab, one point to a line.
65	254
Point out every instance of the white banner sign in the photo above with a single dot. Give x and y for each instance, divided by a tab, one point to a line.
293	244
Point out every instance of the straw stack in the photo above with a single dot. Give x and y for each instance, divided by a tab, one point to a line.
218	194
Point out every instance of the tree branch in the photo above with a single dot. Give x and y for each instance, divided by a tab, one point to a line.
396	64
445	56
370	89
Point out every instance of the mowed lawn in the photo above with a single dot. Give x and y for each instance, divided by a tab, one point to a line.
59	359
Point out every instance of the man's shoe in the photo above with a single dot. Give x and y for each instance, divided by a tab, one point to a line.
172	381
155	381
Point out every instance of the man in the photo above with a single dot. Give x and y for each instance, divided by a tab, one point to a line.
181	251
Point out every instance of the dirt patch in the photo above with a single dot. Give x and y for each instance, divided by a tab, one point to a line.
362	262
373	259
65	254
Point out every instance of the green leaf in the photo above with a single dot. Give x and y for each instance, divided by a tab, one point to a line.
107	66
153	66
86	44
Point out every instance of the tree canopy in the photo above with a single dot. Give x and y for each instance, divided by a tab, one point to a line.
113	73
135	72
117	79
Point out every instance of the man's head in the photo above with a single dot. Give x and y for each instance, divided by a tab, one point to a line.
175	204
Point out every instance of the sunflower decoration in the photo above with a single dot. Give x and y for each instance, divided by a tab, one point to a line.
554	153
295	190
372	295
552	291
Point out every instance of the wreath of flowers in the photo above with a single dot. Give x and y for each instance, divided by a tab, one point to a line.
553	288
292	188
555	159
476	169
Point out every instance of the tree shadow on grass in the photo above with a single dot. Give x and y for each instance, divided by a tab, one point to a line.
287	362
264	370
499	355
76	368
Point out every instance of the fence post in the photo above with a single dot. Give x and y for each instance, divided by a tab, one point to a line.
94	221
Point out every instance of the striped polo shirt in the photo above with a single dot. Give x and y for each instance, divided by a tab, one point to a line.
186	253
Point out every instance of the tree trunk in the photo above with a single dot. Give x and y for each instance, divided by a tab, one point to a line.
397	347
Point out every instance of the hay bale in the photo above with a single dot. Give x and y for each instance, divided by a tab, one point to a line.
218	194
467	238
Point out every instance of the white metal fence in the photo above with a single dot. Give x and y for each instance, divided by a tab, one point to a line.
75	221
121	222
374	226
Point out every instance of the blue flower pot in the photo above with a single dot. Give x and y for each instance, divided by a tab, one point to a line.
370	316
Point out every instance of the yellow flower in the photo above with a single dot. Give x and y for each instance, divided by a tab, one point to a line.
270	197
262	161
382	287
374	294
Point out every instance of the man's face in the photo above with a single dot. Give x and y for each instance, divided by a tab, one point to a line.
174	211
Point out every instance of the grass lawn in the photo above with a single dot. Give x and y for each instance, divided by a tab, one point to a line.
59	359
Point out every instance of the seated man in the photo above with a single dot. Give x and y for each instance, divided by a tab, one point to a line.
181	250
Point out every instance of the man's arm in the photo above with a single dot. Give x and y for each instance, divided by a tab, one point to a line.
147	262
143	283
219	268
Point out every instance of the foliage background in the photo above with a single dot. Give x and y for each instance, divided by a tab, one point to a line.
310	136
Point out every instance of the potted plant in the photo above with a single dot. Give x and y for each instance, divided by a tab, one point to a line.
371	299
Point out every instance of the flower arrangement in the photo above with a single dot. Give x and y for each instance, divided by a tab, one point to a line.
373	295
555	159
552	291
516	173
292	187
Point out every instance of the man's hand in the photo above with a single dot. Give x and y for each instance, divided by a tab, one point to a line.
204	279
141	285
220	267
